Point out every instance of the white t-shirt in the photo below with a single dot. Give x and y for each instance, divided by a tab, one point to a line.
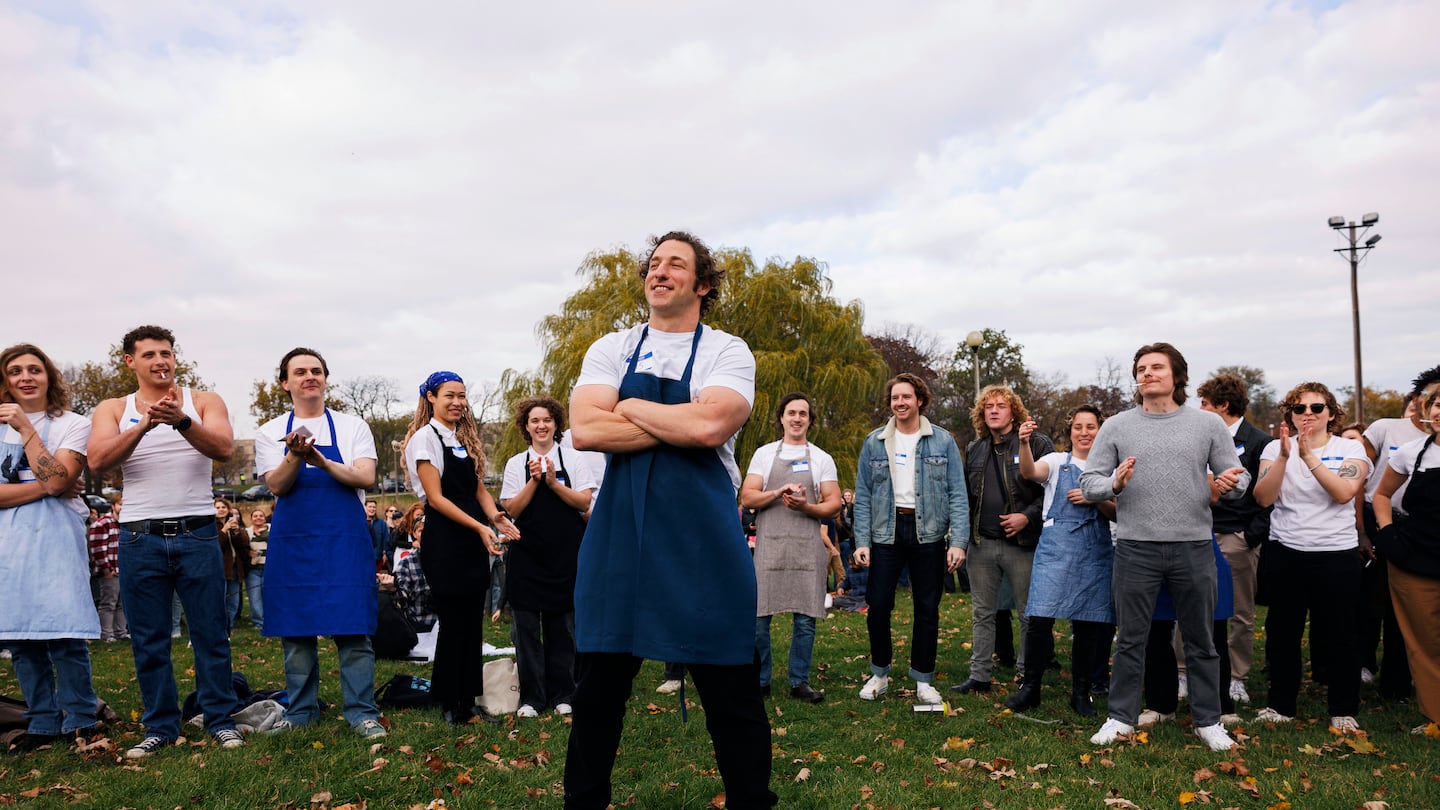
352	437
722	360
822	466
1055	461
515	472
68	431
1386	436
1305	517
424	446
1402	460
902	469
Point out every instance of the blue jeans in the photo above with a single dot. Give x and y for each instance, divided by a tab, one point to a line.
154	567
357	679
802	644
232	601
254	583
54	676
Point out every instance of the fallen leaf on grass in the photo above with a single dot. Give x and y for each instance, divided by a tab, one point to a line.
1249	785
1186	797
378	765
323	797
780	732
866	792
32	793
718	801
1280	805
1361	745
1375	805
803	775
897	743
1118	801
1432	730
464	778
957	744
1203	775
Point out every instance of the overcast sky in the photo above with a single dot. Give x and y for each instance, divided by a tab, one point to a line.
411	187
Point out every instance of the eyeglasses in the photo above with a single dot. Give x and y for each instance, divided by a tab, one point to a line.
1315	407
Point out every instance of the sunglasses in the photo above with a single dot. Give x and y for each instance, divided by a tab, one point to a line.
1315	407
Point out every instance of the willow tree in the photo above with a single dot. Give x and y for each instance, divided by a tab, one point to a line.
803	340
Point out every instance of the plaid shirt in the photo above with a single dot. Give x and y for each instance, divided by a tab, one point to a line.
414	591
104	536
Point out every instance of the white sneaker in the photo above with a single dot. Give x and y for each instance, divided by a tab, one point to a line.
1111	731
527	711
926	693
1269	715
1345	724
1215	737
563	709
1184	690
875	687
668	687
1150	717
1237	691
1366	676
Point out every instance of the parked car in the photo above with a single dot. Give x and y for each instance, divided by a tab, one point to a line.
97	503
259	492
223	492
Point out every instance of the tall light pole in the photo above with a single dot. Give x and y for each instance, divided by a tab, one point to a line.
1348	232
975	340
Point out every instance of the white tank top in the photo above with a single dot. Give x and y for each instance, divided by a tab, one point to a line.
165	477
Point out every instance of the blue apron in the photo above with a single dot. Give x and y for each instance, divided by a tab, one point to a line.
44	561
320	565
664	571
1070	578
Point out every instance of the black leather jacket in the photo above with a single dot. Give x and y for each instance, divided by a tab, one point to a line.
1021	495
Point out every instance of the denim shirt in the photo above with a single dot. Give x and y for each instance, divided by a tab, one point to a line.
941	500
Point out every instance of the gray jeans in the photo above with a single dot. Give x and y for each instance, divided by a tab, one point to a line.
986	561
1189	569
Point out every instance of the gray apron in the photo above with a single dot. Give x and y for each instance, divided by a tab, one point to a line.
790	558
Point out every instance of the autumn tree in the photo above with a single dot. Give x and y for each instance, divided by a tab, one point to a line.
1264	410
803	340
907	348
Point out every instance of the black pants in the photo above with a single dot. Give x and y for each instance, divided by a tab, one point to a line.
545	657
1089	644
1162	672
458	675
1327	584
926	564
734	715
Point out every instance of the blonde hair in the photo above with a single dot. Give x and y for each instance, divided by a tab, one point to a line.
1018	414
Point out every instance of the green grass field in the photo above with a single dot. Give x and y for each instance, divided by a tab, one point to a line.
840	754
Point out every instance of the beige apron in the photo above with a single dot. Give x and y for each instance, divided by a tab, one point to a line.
790	558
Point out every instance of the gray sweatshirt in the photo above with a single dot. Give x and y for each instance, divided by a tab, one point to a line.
1168	498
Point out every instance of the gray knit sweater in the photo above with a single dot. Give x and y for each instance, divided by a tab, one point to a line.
1168	498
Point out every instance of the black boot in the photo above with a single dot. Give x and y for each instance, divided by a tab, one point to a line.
1028	696
1080	696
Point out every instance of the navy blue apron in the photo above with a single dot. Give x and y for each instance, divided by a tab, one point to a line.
664	571
320	565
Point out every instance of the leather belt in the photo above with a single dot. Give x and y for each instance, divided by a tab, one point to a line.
905	510
169	528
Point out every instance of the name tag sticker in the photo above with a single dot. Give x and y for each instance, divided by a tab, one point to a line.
1240	449
459	451
646	363
800	466
901	459
1017	459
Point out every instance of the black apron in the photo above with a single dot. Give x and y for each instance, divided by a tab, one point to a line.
453	557
540	569
1413	542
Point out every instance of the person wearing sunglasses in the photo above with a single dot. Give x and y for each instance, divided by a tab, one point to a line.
1312	477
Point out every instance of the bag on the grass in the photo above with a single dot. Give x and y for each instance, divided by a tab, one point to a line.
405	692
394	636
502	686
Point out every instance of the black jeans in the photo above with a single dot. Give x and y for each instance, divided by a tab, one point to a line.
734	715
1089	646
926	563
1162	671
1327	583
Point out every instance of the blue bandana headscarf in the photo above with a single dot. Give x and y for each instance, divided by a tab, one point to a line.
439	378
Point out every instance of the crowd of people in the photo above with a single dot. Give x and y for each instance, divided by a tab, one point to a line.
1157	529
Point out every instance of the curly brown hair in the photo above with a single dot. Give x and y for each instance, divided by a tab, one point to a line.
922	390
1018	414
1337	413
528	404
1226	389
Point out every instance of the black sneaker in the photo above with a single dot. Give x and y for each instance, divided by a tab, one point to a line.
230	738
148	746
31	742
802	691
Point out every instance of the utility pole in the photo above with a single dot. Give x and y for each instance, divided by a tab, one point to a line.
1348	232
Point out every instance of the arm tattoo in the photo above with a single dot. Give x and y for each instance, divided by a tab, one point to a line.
46	467
1349	470
1265	472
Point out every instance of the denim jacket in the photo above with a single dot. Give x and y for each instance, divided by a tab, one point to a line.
941	502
